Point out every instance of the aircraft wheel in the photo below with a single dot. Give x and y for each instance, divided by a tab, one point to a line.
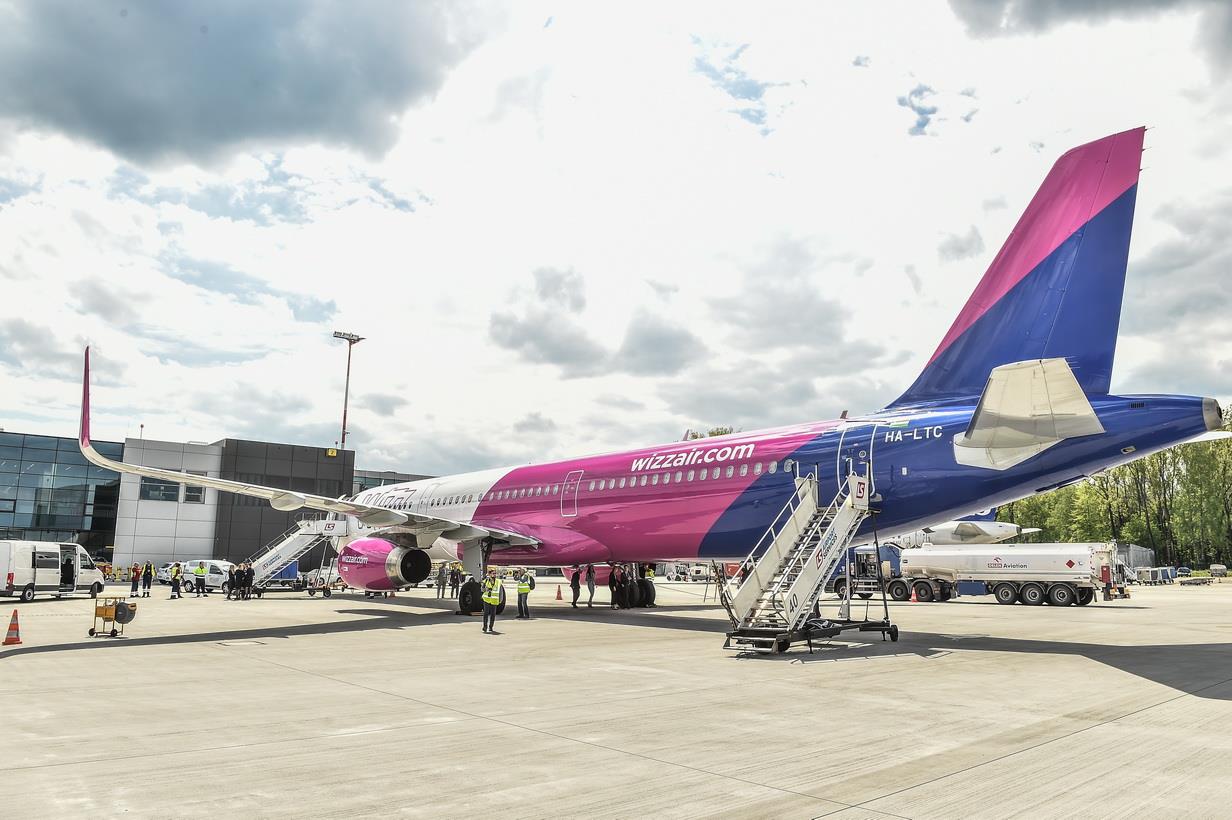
1061	595
923	592
1031	594
470	597
647	589
633	593
899	591
1085	596
1005	593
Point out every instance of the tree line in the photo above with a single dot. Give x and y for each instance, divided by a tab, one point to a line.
1177	502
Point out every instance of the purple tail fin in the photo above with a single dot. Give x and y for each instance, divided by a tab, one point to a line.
1054	289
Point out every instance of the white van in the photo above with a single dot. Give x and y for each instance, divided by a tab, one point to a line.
215	576
30	567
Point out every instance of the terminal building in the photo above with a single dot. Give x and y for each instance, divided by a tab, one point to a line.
49	492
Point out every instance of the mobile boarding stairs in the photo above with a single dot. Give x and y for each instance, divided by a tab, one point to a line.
307	533
777	603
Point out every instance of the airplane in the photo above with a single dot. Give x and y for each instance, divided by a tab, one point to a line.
1014	401
973	529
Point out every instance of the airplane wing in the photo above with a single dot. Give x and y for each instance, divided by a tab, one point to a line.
287	500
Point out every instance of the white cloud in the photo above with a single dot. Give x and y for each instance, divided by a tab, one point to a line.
210	290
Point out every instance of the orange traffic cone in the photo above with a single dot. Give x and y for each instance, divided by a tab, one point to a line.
14	636
914	599
559	597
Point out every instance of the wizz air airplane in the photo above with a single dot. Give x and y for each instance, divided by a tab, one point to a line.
1013	402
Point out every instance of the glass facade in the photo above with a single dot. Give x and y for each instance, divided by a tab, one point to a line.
49	492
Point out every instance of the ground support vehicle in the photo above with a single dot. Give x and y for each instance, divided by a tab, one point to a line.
28	568
1031	574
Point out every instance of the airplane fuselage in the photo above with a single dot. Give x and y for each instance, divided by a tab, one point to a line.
713	498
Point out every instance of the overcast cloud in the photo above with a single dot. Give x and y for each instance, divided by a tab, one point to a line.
566	238
197	79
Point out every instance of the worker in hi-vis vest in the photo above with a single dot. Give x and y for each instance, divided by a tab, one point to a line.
524	583
177	574
491	599
199	572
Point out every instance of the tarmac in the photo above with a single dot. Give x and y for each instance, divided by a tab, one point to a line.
352	707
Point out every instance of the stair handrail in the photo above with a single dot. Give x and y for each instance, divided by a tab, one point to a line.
764	559
840	529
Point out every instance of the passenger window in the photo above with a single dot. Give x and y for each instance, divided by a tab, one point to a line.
622	483
643	481
667	478
756	469
679	476
692	475
744	470
729	472
701	475
714	473
654	479
538	491
787	465
555	489
591	487
611	483
773	468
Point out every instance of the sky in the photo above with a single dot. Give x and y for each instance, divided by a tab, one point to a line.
567	228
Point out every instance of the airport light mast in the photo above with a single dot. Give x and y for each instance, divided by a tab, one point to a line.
351	340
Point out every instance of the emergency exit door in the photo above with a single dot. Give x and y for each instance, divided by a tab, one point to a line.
569	494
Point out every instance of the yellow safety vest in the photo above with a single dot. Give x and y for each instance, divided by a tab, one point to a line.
175	572
491	591
523	585
200	571
650	574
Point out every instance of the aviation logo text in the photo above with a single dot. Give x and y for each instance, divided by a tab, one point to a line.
714	455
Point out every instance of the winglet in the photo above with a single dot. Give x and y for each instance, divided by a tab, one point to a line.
84	435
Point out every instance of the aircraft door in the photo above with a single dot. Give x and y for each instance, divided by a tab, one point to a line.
569	494
427	497
855	452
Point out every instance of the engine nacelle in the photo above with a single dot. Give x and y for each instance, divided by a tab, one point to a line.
378	565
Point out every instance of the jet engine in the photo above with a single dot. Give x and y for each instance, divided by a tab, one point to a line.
378	565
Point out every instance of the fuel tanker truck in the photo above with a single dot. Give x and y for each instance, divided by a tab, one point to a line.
1031	574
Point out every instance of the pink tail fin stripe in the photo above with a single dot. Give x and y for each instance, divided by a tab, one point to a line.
1083	182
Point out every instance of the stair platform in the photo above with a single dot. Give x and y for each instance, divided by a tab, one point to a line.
771	640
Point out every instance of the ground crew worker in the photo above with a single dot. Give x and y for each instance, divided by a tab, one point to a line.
613	584
147	578
135	571
524	594
199	578
575	584
177	574
491	599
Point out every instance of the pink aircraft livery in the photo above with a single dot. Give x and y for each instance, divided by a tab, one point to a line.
1014	401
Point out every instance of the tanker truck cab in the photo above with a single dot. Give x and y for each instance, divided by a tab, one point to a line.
28	568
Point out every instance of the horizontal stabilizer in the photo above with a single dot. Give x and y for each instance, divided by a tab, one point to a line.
1026	408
